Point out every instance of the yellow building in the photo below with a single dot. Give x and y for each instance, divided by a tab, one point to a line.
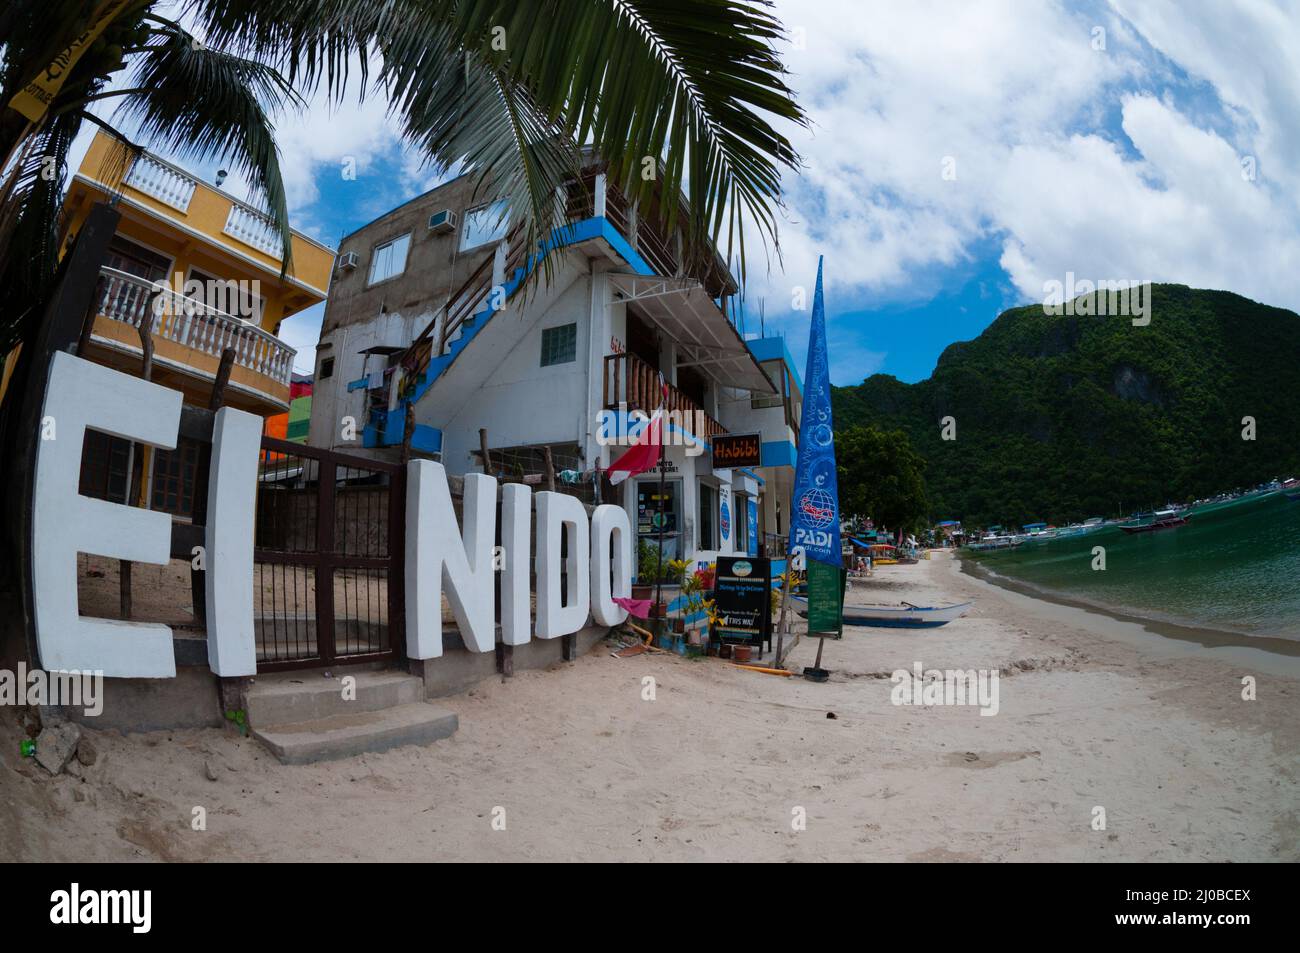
219	260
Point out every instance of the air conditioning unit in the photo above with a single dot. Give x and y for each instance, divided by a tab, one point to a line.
348	261
440	223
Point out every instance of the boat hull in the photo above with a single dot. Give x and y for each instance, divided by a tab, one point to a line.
920	617
1154	527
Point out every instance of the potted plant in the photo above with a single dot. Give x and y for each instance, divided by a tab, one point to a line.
693	594
648	567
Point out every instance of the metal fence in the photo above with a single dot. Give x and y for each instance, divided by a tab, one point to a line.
327	557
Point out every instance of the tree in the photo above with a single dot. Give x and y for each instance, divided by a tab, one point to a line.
670	93
881	476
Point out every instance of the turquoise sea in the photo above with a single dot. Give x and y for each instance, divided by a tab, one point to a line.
1235	568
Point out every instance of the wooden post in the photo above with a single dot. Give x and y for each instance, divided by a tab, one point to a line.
56	327
408	433
134	488
199	508
568	643
505	653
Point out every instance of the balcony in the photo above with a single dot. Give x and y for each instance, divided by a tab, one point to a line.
634	384
195	214
190	335
664	251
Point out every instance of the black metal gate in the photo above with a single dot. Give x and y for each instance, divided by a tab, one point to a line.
327	556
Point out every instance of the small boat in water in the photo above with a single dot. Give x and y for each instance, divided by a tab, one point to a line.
991	544
1164	519
905	616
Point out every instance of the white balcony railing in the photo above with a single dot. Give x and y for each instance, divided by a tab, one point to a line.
165	183
253	229
190	323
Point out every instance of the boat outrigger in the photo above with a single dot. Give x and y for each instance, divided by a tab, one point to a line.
905	616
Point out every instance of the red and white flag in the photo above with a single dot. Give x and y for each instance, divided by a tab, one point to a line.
643	455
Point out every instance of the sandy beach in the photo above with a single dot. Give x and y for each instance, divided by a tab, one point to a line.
723	763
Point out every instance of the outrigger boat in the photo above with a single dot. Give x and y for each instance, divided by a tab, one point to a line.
906	616
1164	519
995	543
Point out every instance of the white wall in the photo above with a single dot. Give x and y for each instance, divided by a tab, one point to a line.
500	383
331	400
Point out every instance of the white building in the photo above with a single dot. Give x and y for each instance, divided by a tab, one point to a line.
429	310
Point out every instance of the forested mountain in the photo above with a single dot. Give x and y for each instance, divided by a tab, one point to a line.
1065	417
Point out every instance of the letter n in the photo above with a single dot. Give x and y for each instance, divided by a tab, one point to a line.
437	556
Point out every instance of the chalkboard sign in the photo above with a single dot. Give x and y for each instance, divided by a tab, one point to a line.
825	599
742	599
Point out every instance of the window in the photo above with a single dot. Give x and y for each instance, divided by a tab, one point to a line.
125	255
559	345
708	517
487	223
389	259
326	368
658	508
231	295
173	478
103	467
776	372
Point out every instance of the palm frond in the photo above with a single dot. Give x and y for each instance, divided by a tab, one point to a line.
689	86
29	216
201	102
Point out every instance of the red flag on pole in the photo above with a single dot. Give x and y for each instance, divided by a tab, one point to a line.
642	455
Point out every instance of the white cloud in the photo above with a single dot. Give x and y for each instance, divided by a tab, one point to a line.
1026	107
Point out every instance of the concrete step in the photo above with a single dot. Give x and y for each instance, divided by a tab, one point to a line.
342	736
285	698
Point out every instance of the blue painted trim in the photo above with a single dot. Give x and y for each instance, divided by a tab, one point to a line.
386	429
774	349
357	384
753	476
779	453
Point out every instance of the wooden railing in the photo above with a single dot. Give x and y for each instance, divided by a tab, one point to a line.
662	250
193	324
468	300
634	384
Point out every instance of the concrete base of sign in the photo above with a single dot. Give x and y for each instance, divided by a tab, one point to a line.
459	669
190	700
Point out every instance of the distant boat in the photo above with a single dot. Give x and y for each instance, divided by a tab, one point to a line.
1164	519
903	617
1294	496
994	543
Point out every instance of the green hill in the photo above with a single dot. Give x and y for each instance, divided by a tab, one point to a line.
1065	417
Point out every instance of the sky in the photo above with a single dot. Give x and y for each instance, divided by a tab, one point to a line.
961	154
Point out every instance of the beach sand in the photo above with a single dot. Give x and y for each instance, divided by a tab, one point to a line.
1093	712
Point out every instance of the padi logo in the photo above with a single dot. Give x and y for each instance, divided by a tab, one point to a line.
819	539
741	568
76	906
